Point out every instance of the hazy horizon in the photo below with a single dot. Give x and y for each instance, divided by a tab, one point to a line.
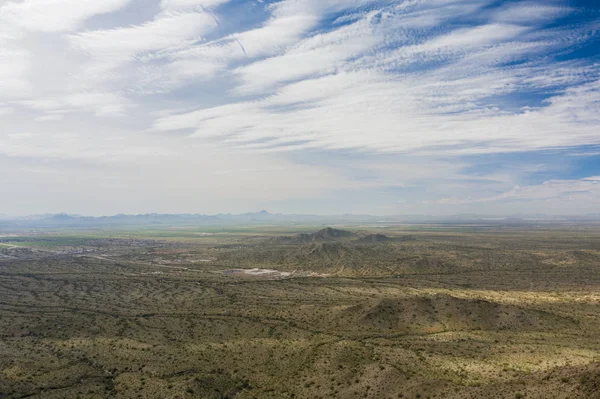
300	107
340	216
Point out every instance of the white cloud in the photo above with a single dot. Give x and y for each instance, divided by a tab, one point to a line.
169	30
530	12
479	36
77	170
54	15
343	99
97	103
276	34
417	14
354	110
183	89
323	53
4	111
289	22
14	67
130	57
585	190
178	4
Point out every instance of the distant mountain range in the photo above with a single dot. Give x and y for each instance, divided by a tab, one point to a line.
263	217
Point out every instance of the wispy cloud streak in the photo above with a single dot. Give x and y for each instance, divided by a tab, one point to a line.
291	84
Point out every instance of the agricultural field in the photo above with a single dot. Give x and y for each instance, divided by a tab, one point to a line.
302	312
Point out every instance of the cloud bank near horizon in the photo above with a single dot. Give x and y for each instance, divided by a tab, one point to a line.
365	106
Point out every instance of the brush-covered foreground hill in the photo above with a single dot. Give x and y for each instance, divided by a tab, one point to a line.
441	312
373	238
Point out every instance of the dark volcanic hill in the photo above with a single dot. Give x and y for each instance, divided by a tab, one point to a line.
330	233
323	235
373	238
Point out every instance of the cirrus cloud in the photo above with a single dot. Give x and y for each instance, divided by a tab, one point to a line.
340	96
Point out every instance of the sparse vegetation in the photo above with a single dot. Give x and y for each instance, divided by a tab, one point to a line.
433	314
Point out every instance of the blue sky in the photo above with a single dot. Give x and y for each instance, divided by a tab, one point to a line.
361	106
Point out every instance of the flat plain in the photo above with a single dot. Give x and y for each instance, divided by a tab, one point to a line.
471	311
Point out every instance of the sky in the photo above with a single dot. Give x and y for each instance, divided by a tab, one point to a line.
434	107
